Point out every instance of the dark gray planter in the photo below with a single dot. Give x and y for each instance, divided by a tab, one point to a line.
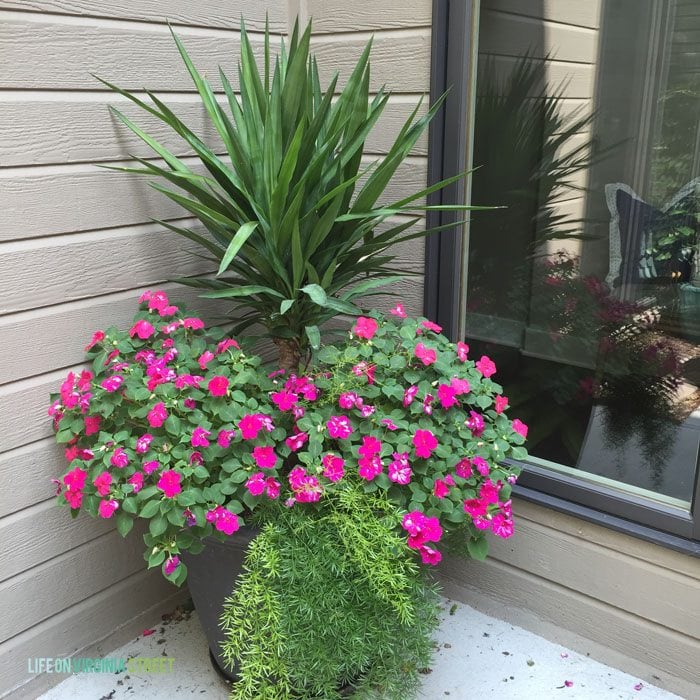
211	576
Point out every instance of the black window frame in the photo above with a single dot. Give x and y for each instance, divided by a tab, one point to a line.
454	41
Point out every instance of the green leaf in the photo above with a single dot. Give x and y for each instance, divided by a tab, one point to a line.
316	293
478	548
124	524
156	558
241	291
286	305
241	236
129	506
158	525
173	425
150	509
314	336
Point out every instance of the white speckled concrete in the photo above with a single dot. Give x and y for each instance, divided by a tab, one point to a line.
478	657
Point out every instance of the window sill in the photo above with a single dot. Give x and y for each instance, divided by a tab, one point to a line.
644	532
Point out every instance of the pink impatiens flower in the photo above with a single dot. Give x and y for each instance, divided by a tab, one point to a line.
102	483
333	467
339	427
421	529
111	384
97	337
365	327
370	446
171	565
447	396
223	439
106	508
193	324
296	441
284	400
169	483
486	366
425	442
482	466
183	380
362	368
370	467
199	437
143	329
475	507
347	400
462	351
502	526
74	482
119	458
258	484
429	325
157	415
250	425
143	443
225	344
136	480
399	470
223	519
429	555
218	385
520	427
92	424
409	394
389	424
440	488
426	355
151	466
463	468
204	359
460	386
398	311
475	423
307	488
500	403
265	457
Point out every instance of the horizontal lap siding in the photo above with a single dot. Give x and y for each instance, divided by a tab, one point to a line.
76	248
47	128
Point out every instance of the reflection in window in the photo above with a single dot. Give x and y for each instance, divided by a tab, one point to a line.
587	133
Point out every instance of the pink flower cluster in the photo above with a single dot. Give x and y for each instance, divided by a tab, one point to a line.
300	439
422	529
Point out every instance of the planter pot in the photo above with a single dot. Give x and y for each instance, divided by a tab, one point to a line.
211	576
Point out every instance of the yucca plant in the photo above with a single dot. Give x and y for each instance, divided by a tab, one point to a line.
290	229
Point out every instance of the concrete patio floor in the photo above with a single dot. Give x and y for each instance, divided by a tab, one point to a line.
477	657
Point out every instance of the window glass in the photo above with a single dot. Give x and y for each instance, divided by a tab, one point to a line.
584	286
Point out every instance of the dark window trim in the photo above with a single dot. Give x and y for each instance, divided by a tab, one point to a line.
453	44
614	522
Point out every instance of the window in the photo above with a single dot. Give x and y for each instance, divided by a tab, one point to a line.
583	123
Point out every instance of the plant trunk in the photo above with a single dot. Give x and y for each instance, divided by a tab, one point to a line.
289	354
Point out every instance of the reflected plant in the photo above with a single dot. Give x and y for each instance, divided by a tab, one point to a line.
526	158
635	370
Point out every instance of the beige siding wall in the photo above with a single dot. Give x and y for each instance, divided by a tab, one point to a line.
76	248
